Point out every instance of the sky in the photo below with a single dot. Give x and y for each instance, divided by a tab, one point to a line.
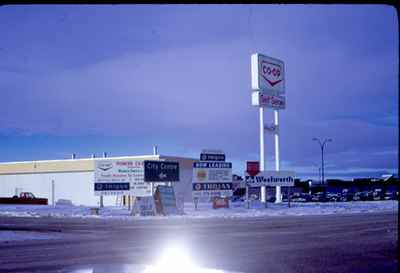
119	79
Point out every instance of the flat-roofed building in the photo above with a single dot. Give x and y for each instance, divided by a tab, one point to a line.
74	178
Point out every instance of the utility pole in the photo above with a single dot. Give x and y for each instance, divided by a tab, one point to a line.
322	145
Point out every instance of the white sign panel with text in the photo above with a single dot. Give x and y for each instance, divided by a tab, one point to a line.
204	171
271	178
120	177
269	101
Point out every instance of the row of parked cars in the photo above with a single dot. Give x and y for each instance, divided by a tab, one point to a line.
345	196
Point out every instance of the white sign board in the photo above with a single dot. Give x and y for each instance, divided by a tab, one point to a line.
111	175
269	101
212	172
267	74
271	178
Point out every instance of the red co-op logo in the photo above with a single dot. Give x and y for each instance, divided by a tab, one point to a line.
271	73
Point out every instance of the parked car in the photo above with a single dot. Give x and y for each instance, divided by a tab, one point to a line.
318	197
300	197
367	196
390	195
346	197
24	198
237	198
333	197
357	196
378	194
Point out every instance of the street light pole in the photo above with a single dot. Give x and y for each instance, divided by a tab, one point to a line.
322	145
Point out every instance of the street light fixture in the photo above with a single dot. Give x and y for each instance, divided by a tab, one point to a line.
322	145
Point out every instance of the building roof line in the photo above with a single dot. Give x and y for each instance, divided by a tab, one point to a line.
81	159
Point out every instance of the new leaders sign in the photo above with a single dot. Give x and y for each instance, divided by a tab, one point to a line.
212	172
120	177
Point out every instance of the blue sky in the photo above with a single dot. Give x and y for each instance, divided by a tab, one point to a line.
121	78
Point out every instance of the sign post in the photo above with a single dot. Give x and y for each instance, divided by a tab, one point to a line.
268	82
252	168
278	195
262	163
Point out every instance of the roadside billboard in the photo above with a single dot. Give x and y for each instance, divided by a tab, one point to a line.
267	74
120	177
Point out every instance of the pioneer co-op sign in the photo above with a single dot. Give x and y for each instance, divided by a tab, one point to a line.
268	75
120	177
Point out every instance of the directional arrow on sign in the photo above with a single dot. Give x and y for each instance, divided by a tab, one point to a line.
162	175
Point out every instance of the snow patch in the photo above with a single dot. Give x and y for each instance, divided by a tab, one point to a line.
205	210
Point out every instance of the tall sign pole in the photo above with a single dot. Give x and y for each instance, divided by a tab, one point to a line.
278	196
262	151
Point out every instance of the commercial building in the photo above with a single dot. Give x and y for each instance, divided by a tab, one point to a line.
73	179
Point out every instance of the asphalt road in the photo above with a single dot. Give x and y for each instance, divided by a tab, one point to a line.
330	243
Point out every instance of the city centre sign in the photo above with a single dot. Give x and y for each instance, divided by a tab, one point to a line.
161	171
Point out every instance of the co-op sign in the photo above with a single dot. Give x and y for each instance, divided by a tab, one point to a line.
268	75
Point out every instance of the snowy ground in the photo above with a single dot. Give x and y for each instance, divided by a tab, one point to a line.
205	210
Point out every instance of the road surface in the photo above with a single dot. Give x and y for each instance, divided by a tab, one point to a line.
329	243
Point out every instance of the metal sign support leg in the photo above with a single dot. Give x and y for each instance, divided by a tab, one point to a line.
277	161
53	189
262	162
